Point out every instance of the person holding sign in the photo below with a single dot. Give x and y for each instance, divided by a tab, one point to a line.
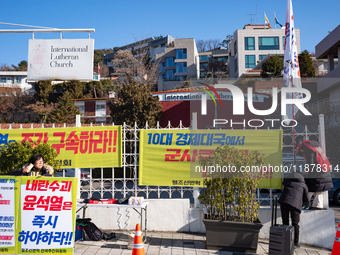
36	167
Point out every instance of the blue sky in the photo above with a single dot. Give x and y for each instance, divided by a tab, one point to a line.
121	22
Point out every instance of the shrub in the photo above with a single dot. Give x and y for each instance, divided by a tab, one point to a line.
231	196
15	154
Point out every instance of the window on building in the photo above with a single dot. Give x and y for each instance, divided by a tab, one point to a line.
250	61
170	62
204	58
224	59
203	74
249	43
269	43
162	67
81	107
262	57
17	80
283	42
100	107
162	77
5	80
203	65
235	48
235	63
181	54
181	67
170	74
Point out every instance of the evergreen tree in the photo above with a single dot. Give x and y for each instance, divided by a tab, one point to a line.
306	64
272	67
135	104
44	91
22	66
66	110
75	88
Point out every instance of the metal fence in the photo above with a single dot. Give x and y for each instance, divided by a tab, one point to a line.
122	182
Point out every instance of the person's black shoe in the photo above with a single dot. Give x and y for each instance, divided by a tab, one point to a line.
296	246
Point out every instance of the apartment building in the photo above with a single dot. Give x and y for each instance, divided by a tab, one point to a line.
213	62
178	61
252	44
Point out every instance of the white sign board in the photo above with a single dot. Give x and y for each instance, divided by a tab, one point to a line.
7	214
60	59
189	96
46	214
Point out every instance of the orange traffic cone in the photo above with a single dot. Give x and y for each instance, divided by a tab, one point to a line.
336	245
138	246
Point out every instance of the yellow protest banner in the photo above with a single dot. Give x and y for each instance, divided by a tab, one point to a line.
78	147
168	157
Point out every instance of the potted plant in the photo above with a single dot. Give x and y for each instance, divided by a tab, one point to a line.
231	218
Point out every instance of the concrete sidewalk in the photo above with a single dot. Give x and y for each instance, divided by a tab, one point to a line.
166	243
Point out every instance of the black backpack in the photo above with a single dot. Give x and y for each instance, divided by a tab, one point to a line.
93	232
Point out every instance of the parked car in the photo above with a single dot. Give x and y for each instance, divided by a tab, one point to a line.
70	172
334	194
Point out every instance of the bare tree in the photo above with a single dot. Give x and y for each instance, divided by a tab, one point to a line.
13	106
42	110
136	63
105	71
206	45
123	60
201	45
214	43
216	69
5	67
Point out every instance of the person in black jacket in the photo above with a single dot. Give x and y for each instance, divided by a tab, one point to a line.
38	168
318	180
293	197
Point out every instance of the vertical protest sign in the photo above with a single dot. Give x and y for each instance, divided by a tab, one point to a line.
46	216
8	211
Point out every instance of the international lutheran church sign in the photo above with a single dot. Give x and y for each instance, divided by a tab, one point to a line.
60	59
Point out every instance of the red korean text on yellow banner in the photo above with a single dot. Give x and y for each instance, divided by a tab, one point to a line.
78	147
